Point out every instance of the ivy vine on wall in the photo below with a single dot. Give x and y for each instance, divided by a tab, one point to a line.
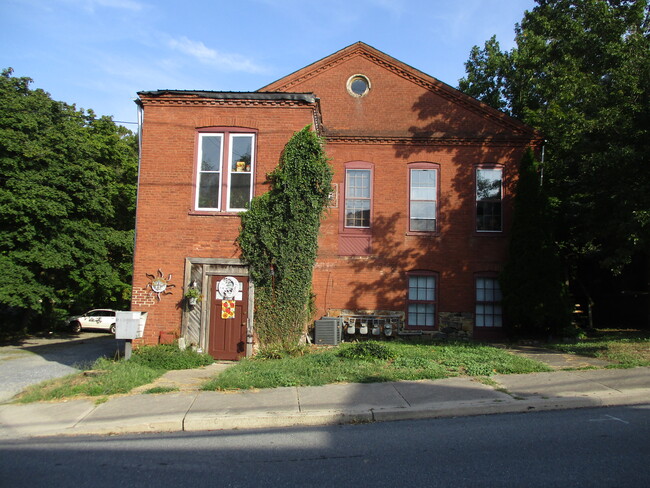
279	239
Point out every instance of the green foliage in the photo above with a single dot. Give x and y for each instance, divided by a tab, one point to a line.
535	297
193	293
67	207
416	362
279	239
486	75
624	348
275	351
170	357
581	74
367	351
367	362
107	378
160	389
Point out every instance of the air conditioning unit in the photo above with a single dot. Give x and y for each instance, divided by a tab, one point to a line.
327	331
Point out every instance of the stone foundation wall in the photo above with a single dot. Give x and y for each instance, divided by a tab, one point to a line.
458	324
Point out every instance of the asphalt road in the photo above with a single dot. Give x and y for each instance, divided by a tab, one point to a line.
605	447
33	360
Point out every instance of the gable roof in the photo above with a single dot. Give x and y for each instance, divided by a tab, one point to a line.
415	76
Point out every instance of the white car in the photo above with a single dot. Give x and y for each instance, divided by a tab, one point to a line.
101	319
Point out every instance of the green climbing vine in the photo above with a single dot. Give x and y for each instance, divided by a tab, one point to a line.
279	239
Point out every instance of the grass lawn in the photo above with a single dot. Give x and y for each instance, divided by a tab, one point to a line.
362	362
355	363
107	377
624	348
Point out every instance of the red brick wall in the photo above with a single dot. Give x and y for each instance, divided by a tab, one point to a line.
167	229
394	106
391	119
386	127
456	252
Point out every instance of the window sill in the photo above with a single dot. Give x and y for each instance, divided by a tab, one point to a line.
423	234
355	231
209	213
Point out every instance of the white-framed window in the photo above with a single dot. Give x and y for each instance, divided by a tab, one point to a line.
423	198
357	198
225	169
489	193
489	312
421	300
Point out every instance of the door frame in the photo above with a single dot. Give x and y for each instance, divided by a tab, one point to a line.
202	270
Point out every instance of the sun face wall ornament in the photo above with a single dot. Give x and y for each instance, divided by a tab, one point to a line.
158	285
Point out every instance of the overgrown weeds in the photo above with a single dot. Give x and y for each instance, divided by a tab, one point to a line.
280	352
367	351
623	348
160	389
107	377
169	357
371	361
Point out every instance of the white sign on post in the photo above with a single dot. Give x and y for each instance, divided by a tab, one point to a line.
129	325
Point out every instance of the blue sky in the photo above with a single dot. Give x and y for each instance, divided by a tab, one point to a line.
98	53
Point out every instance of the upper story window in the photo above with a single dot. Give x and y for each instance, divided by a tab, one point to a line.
489	195
225	170
355	214
358	85
358	198
423	197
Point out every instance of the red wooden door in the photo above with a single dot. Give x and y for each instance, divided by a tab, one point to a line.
228	336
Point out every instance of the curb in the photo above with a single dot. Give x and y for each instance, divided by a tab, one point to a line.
324	418
87	419
269	421
188	422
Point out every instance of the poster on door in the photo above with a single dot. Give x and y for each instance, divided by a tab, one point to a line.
229	290
228	309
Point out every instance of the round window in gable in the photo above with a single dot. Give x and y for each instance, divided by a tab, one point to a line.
358	85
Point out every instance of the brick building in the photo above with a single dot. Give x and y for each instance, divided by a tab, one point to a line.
418	225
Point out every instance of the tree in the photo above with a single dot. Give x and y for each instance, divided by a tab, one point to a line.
279	239
67	207
580	73
535	297
487	73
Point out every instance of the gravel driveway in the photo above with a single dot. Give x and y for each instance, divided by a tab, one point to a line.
33	360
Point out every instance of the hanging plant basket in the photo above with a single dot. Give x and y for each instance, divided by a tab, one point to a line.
192	296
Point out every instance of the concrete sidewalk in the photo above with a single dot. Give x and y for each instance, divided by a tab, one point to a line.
331	404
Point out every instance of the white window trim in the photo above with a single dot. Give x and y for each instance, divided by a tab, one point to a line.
422	167
200	172
348	198
230	170
225	170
